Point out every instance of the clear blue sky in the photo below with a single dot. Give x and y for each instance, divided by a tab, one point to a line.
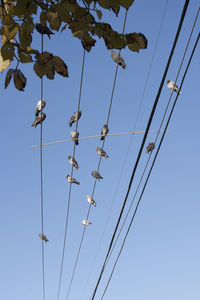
160	259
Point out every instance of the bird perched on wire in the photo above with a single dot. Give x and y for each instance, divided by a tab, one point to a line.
72	179
39	119
91	200
101	152
118	59
104	132
86	222
173	87
150	147
73	162
75	117
43	237
96	175
43	29
74	134
40	106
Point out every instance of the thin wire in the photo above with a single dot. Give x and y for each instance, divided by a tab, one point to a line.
93	136
41	185
151	166
69	196
99	163
163	118
143	142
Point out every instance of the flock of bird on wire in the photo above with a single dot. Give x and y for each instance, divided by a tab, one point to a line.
40	117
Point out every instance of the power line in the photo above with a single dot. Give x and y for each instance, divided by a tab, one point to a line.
143	142
151	166
88	213
69	196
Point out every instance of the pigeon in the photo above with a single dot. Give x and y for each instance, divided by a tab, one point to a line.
150	147
43	237
173	87
118	59
101	152
86	222
39	119
75	117
72	179
39	107
73	162
96	175
43	29
104	132
74	135
91	200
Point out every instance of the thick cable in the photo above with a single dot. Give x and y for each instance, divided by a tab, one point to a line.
163	135
143	141
69	195
98	167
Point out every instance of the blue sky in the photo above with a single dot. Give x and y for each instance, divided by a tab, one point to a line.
161	256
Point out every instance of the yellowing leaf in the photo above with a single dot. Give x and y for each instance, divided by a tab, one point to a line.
54	20
11	30
4	64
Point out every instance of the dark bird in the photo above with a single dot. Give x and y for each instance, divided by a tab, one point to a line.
75	117
104	132
173	87
118	59
75	135
150	147
39	119
43	29
43	237
96	175
72	179
39	107
101	152
73	162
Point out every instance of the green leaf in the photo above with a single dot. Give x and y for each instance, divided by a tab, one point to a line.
99	14
7	51
44	64
24	57
19	80
8	77
54	20
136	41
11	30
25	7
60	67
4	64
126	3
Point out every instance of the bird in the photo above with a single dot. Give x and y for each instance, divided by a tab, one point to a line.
96	175
101	152
91	200
39	107
75	117
39	119
150	147
75	135
118	59
72	179
173	87
104	132
73	162
86	222
43	29
43	237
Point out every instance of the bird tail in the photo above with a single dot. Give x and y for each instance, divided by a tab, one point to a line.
46	240
76	142
124	66
102	138
106	156
70	123
77	182
34	125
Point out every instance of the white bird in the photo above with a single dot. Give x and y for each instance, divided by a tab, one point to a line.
43	237
101	152
39	107
118	59
96	175
75	117
104	132
39	119
72	179
73	162
86	222
150	147
172	86
91	200
74	134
